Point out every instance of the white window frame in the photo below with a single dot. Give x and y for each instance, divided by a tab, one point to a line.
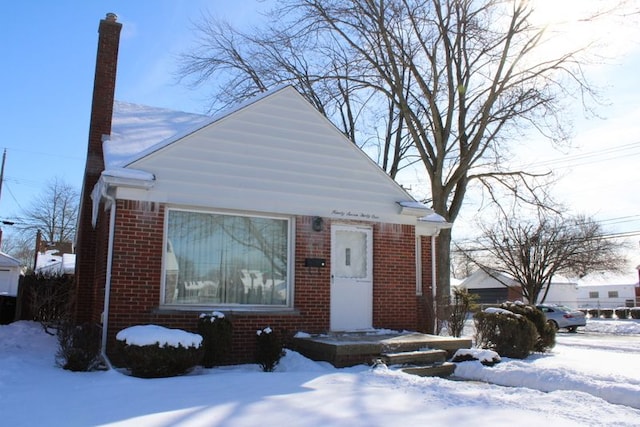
233	307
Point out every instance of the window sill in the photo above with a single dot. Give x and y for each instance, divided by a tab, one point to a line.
236	311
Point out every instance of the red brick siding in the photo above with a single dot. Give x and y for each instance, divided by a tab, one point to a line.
137	264
394	275
137	270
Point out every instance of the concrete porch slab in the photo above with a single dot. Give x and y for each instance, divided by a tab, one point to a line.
354	348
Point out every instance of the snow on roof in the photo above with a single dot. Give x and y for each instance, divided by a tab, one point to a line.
8	261
608	279
139	130
51	263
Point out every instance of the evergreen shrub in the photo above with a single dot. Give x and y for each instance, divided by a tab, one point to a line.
508	334
157	352
634	312
606	313
269	349
216	331
546	338
622	313
594	313
78	347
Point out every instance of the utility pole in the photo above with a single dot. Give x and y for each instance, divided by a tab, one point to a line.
4	157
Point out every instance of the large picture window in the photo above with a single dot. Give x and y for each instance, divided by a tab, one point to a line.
220	259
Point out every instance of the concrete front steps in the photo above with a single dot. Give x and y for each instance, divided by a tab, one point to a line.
424	363
406	349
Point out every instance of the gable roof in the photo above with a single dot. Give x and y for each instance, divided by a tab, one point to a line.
8	261
275	153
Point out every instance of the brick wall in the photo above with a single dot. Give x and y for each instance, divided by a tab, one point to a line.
394	273
137	271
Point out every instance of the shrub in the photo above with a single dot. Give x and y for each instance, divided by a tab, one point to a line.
594	312
78	347
47	299
151	351
508	334
269	349
546	338
634	312
622	313
216	331
463	302
606	313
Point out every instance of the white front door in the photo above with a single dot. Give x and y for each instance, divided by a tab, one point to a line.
351	277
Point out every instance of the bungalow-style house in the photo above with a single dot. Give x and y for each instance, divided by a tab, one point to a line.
266	212
494	287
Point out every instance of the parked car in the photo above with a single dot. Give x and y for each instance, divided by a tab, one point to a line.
560	316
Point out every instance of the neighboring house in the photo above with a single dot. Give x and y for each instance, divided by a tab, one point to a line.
10	271
608	291
498	287
52	263
266	212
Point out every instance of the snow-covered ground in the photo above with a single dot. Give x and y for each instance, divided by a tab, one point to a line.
590	378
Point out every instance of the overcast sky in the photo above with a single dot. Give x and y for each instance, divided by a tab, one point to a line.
48	57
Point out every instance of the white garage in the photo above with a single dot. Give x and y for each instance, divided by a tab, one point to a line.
9	275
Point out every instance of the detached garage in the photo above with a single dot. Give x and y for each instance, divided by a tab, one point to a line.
9	275
9	278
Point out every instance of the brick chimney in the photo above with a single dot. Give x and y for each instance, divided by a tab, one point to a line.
88	240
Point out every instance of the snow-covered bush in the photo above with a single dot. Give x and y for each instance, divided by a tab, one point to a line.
269	349
507	333
546	338
606	313
151	351
78	347
216	331
486	357
634	312
622	312
594	313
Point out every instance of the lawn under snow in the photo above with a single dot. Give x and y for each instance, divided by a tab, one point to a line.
590	378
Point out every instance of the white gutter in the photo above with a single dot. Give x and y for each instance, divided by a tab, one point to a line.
433	284
114	178
107	280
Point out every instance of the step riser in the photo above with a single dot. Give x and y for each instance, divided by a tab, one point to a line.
438	356
443	370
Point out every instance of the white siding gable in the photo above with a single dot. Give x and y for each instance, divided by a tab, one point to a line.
275	155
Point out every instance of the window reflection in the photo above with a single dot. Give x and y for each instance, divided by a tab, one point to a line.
222	259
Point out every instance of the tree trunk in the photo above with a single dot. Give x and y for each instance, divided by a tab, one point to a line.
443	275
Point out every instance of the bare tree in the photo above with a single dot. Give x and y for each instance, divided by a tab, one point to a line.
453	82
54	212
534	251
20	246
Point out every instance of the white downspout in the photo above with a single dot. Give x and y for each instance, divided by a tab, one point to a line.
107	281
433	284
